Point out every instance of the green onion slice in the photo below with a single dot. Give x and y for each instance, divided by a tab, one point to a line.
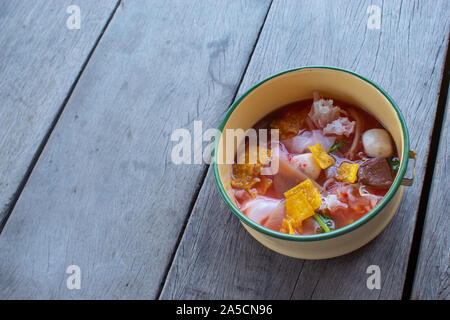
395	163
321	222
337	145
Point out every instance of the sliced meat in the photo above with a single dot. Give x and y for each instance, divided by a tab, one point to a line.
375	173
241	195
288	177
275	219
300	143
266	211
260	208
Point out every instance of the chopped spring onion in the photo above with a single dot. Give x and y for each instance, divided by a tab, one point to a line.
325	216
337	145
321	222
395	163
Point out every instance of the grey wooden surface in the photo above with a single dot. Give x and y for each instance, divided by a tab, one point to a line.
242	268
40	61
432	276
104	193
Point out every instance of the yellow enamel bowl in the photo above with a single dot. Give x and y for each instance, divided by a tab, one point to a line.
299	84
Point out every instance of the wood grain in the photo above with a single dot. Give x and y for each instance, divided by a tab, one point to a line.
40	60
217	258
432	278
105	194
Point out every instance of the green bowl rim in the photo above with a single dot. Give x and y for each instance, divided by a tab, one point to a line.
322	236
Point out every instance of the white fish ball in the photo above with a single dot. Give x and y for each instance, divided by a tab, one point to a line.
307	164
377	143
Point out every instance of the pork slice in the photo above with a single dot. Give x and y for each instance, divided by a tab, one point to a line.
299	144
275	219
287	177
260	208
241	195
375	173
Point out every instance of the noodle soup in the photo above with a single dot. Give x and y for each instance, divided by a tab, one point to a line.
335	164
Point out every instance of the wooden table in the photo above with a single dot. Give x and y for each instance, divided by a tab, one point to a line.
87	114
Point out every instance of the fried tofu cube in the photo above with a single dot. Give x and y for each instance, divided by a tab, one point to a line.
289	123
347	172
309	191
298	209
323	159
246	172
286	227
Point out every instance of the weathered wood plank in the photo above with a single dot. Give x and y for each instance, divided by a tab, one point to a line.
40	60
217	258
432	275
104	194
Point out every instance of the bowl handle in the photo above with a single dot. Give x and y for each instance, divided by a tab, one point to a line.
409	181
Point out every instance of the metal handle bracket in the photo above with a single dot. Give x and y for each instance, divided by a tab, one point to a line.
409	181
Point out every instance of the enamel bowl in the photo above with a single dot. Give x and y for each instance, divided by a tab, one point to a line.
299	84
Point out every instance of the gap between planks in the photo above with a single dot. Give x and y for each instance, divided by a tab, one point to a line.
206	168
46	137
424	195
428	180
